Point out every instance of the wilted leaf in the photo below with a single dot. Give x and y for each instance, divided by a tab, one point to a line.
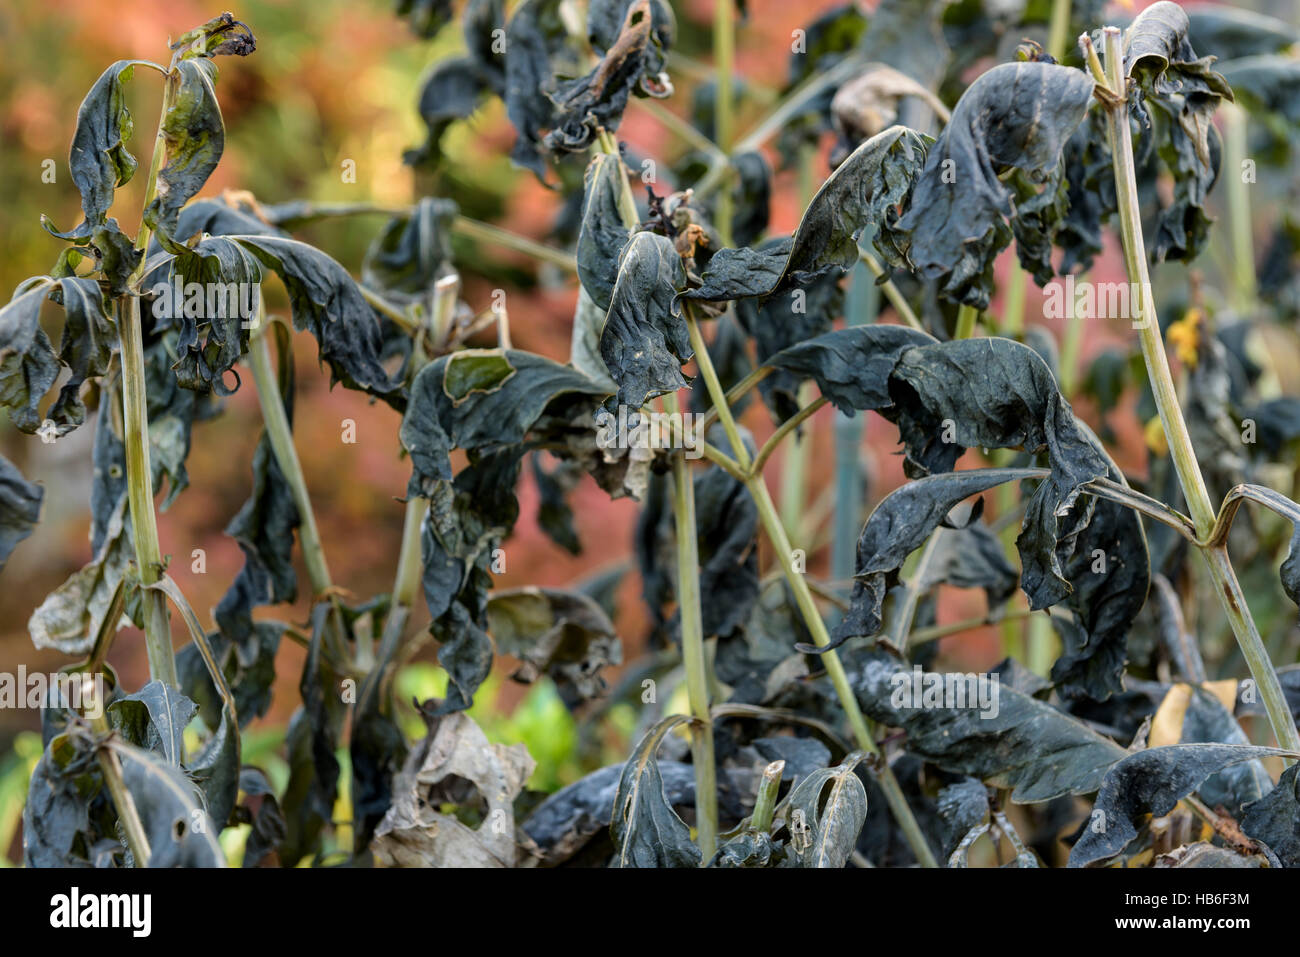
1275	818
647	831
20	508
195	136
824	832
414	833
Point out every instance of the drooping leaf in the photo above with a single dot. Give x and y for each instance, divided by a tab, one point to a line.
456	752
412	252
562	634
824	832
1021	743
538	48
195	136
179	830
28	365
647	832
20	508
1275	818
262	811
66	812
1151	782
863	190
632	62
155	718
1015	117
603	235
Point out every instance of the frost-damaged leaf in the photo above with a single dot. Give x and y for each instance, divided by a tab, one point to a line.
327	301
87	347
179	830
633	58
900	524
413	252
1151	782
1184	93
562	634
646	830
1201	718
28	365
823	833
962	807
71	615
456	86
584	346
99	160
863	190
456	753
262	811
66	813
973	557
538	48
195	136
20	508
264	526
154	718
1017	116
603	235
479	399
311	741
1024	744
1275	818
645	339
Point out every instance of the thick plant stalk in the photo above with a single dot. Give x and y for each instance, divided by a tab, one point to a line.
775	530
1245	287
724	54
765	803
135	427
280	435
693	659
1226	587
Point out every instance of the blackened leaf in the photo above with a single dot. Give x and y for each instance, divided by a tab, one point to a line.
1275	818
264	526
558	633
633	63
413	251
647	832
99	160
584	347
326	301
1207	721
554	516
179	830
973	557
416	833
311	741
900	524
71	615
1151	782
195	136
1235	32
864	190
824	832
645	339
749	848
154	718
452	91
87	347
1021	743
1015	116
1184	93
262	812
20	508
480	399
249	669
537	49
962	806
602	235
28	365
65	805
852	366
753	198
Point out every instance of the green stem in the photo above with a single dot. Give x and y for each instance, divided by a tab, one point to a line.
280	434
892	292
683	129
1013	310
487	233
1058	29
775	530
1244	285
135	427
765	803
966	318
1227	589
1071	343
693	659
902	629
139	478
626	201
